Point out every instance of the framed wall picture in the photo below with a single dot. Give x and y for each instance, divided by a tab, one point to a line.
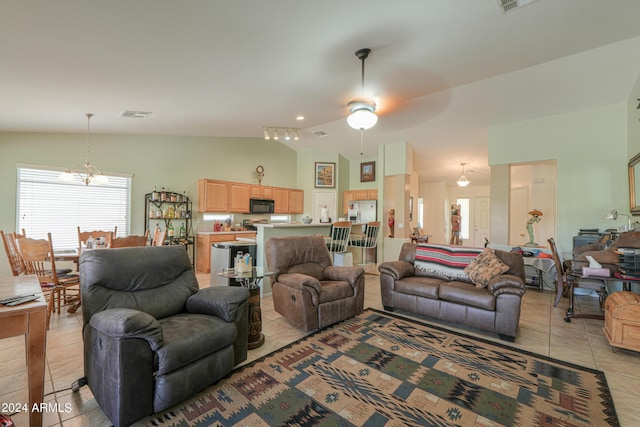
325	175
367	171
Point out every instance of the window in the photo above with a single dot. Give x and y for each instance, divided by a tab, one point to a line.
45	204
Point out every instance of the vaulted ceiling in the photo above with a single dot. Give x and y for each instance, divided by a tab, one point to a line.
443	71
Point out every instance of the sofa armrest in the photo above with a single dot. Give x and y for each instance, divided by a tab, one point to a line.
397	269
128	323
352	275
506	284
219	301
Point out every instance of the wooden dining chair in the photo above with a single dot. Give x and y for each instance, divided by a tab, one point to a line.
158	237
108	236
38	258
125	242
15	262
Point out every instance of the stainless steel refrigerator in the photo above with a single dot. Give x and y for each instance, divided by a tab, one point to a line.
362	211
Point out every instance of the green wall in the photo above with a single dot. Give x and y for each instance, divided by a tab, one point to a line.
591	152
173	162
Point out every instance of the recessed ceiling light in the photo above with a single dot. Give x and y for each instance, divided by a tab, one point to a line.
300	117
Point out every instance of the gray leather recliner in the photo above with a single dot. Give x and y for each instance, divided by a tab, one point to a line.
151	338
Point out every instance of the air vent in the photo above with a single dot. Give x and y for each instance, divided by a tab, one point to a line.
507	6
320	133
133	114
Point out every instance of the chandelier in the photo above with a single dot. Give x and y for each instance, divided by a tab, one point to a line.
87	173
463	181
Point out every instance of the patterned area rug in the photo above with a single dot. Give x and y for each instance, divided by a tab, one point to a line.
380	369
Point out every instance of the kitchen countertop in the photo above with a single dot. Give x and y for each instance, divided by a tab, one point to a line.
292	225
226	232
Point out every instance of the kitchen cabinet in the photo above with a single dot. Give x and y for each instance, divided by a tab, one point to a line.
234	197
281	200
212	195
203	247
353	195
296	201
261	192
239	195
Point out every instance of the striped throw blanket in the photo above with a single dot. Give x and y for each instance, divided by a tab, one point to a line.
445	261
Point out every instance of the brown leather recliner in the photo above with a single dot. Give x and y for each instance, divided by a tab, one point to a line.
608	257
308	290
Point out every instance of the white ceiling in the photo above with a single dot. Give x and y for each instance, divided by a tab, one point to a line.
443	70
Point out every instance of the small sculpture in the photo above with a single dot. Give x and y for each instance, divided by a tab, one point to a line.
455	225
391	221
535	217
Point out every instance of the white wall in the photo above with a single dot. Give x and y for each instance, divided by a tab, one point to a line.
590	148
172	162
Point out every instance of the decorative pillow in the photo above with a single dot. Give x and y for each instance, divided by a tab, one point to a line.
485	267
445	261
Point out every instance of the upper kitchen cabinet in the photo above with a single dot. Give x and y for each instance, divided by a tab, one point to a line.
234	197
239	195
281	200
353	195
212	195
365	194
296	201
261	192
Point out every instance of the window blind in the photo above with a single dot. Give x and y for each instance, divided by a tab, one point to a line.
47	205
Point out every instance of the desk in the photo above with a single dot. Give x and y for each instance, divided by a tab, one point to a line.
28	319
251	280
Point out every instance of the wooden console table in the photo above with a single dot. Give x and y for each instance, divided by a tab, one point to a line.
29	319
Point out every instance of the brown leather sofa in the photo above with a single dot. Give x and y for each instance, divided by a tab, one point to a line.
307	289
495	308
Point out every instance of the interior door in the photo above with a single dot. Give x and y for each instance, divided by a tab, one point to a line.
324	199
482	219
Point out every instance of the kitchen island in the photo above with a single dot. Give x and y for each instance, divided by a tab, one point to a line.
266	231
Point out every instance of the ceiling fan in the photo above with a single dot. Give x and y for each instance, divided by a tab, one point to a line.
362	110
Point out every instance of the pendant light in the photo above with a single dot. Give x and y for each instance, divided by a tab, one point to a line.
362	110
463	181
88	173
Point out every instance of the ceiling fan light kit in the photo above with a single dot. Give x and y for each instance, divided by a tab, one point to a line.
362	115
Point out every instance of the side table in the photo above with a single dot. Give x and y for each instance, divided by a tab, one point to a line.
251	280
28	319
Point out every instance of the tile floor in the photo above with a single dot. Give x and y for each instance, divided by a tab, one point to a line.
542	330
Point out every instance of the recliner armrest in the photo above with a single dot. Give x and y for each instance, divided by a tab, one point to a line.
506	284
219	301
345	274
397	269
128	323
300	281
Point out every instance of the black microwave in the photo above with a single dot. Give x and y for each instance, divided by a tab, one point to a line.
261	206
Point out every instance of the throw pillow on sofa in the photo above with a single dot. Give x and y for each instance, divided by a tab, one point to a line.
485	267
